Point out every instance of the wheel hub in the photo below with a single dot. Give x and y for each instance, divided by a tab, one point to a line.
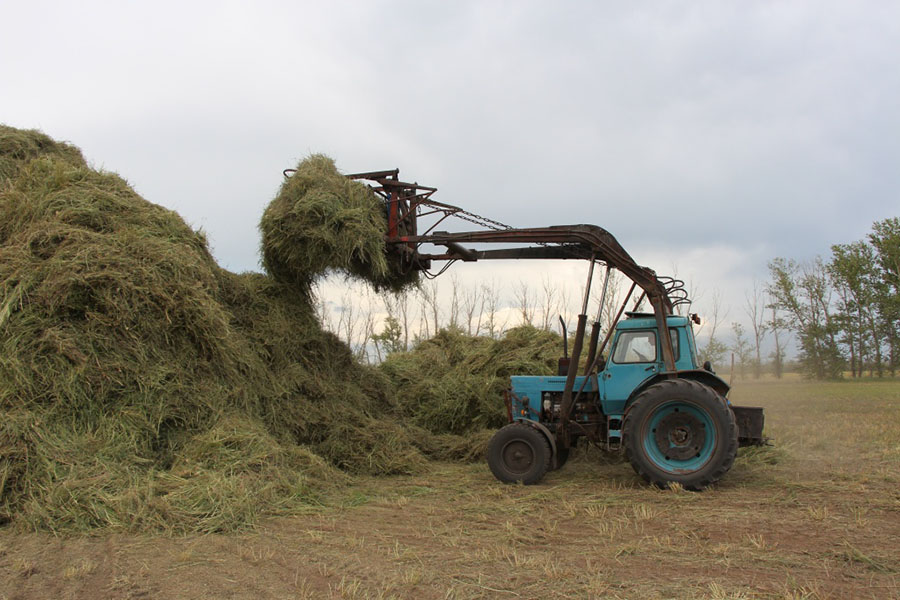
518	456
679	436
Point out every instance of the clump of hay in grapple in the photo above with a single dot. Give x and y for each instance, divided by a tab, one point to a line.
320	221
454	383
142	386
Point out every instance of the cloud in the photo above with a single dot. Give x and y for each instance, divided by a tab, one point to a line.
713	135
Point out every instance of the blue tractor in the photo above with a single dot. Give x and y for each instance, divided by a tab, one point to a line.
677	429
650	397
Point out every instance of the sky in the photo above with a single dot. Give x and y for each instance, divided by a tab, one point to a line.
708	137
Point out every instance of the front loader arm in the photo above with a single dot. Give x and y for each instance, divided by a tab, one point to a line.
406	203
569	241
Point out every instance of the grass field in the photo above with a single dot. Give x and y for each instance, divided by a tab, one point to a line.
815	516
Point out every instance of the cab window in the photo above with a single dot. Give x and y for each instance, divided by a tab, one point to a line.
635	347
640	347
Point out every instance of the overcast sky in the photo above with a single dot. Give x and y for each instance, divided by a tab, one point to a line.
709	137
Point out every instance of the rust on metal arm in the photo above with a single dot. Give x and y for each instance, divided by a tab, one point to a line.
570	241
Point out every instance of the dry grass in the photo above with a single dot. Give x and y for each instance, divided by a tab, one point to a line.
142	387
454	383
321	221
807	518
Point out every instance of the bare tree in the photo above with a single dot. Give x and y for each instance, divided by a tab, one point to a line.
454	301
754	308
322	313
367	335
492	304
435	306
614	297
741	347
351	325
403	307
473	304
431	307
525	302
714	350
562	304
549	288
424	332
777	325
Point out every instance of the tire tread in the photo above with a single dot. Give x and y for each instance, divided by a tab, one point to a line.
508	432
649	395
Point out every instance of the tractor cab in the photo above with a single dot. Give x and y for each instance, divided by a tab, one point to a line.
635	359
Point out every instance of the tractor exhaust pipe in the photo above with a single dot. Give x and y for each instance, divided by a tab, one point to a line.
562	366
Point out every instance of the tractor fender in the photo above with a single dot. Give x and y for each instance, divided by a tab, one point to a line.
700	375
543	429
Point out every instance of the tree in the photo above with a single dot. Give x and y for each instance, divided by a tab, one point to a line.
526	303
754	308
390	339
454	302
803	293
885	239
473	303
714	350
550	291
776	325
491	296
852	270
741	347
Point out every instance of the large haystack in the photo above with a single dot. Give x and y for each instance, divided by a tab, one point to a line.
144	387
320	221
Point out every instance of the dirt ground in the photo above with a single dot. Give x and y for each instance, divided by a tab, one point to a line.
815	516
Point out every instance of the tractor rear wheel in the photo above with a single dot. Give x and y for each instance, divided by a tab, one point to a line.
519	452
680	431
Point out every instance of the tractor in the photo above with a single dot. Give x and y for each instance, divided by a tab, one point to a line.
673	429
646	395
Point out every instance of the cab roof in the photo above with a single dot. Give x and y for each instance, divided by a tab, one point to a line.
640	320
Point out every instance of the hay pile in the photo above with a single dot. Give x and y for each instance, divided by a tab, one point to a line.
453	383
321	221
142	387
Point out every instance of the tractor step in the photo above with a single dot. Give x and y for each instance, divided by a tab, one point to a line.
613	433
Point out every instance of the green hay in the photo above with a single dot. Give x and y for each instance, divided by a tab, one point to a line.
471	447
454	383
320	221
18	147
142	387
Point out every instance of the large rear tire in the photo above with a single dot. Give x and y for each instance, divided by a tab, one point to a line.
519	452
680	431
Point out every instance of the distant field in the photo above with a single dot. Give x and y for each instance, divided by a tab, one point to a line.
815	516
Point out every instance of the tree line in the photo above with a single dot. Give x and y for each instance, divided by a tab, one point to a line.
844	310
843	313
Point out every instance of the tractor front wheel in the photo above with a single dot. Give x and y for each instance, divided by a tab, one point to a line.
562	455
519	452
680	431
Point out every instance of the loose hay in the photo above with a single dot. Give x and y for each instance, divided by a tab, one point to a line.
321	221
143	387
453	383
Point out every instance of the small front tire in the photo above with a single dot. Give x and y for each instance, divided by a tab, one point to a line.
562	455
519	452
